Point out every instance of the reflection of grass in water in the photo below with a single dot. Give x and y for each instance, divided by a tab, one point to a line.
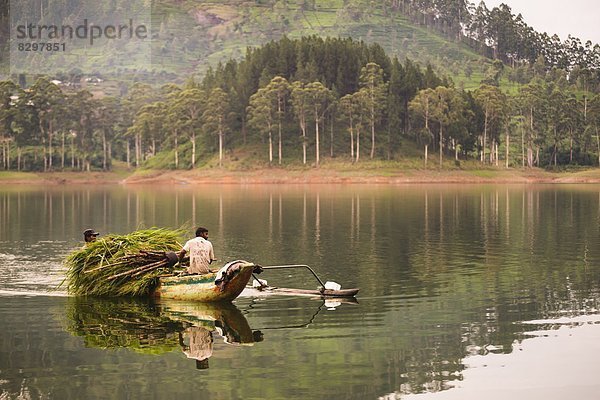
122	323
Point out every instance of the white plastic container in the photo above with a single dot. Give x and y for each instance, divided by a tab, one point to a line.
332	285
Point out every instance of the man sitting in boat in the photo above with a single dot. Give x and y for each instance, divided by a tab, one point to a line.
90	235
201	252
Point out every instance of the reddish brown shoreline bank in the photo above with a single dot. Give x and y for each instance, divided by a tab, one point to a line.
313	176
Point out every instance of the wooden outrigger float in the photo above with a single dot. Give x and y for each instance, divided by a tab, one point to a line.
322	291
222	286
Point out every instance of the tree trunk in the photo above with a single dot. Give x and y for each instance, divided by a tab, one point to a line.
441	145
104	150
507	146
73	152
571	148
497	146
485	124
62	156
176	151
44	154
331	138
279	144
317	137
137	150
270	147
522	147
128	154
372	129
193	138
426	150
303	127
598	143
455	149
357	143
351	140
50	137
109	156
221	144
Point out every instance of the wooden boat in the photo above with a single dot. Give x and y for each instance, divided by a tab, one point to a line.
222	286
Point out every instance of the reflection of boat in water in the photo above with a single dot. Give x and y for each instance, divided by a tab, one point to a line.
204	319
158	327
221	317
222	286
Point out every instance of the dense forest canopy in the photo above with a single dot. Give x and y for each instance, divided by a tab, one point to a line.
298	101
500	31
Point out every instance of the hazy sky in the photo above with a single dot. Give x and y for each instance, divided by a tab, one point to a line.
580	18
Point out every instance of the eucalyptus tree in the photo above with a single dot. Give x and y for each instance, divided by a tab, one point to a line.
108	122
394	106
374	88
148	125
139	95
573	120
190	104
421	107
440	112
300	105
8	93
174	123
461	121
493	102
81	108
593	121
529	101
260	116
446	108
215	116
279	89
480	20
48	102
556	119
455	13
320	99
351	111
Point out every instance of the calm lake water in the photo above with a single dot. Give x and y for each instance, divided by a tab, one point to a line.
467	292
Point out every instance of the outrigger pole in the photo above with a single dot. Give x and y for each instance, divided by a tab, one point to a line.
296	266
322	290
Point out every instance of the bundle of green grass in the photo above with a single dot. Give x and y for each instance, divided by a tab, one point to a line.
123	265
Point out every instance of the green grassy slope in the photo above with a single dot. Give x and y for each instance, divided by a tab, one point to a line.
190	35
196	34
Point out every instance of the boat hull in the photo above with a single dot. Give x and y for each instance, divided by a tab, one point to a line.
202	287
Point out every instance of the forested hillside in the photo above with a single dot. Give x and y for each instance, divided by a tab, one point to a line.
296	101
443	77
457	37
